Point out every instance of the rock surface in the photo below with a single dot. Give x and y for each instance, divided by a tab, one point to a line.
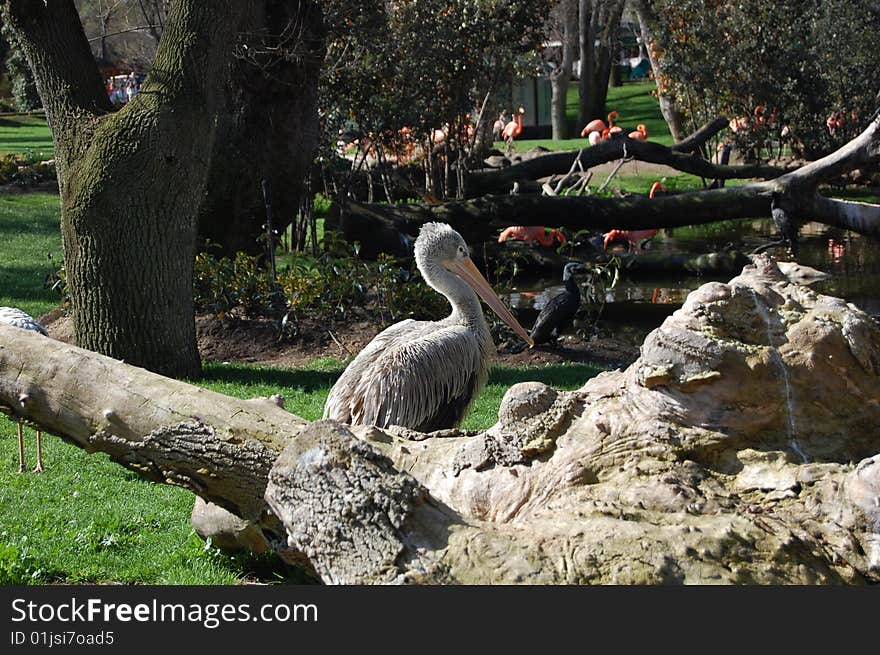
741	447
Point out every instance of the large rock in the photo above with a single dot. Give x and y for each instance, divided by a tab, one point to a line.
741	447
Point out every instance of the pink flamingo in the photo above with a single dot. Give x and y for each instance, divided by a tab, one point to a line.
834	122
635	238
498	127
612	128
597	130
514	128
596	125
532	233
640	133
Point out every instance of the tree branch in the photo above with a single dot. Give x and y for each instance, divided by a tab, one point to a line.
501	180
58	53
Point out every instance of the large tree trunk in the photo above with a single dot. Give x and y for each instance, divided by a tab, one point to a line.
268	129
133	182
724	454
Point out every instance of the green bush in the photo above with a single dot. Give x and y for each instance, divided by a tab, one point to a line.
24	170
328	287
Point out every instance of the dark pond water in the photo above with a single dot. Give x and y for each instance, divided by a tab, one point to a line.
639	303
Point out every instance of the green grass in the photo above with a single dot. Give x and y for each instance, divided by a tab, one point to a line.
633	101
306	389
29	233
26	134
87	519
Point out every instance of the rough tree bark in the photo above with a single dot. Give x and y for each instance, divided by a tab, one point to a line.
725	453
793	196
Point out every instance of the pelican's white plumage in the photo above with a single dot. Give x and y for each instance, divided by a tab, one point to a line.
16	317
425	374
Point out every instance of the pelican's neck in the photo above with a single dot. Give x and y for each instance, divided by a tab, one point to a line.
466	308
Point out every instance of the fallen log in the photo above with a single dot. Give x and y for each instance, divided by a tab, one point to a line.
723	454
500	181
482	219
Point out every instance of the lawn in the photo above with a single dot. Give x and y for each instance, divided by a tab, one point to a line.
26	134
87	519
632	101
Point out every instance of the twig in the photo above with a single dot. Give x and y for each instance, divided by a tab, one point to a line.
575	164
339	343
614	172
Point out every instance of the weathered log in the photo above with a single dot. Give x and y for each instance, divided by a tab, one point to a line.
724	453
481	219
220	448
502	180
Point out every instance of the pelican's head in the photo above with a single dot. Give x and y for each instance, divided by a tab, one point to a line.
440	245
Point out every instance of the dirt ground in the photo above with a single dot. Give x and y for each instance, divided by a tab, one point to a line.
259	341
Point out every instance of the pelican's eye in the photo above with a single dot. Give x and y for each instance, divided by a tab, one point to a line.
462	252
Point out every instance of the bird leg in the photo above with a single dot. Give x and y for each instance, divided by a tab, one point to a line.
39	467
20	449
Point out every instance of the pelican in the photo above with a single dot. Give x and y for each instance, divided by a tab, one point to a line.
17	318
424	375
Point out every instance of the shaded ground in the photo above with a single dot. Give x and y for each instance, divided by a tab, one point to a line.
259	341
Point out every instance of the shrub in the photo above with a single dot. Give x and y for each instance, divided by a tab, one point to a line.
326	288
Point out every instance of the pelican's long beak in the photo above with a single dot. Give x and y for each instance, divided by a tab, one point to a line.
467	271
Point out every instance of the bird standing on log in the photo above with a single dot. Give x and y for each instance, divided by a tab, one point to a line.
559	312
424	375
17	318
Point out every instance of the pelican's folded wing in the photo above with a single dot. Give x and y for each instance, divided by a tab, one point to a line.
425	382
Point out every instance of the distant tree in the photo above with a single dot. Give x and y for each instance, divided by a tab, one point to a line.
415	66
774	65
648	27
563	28
598	24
